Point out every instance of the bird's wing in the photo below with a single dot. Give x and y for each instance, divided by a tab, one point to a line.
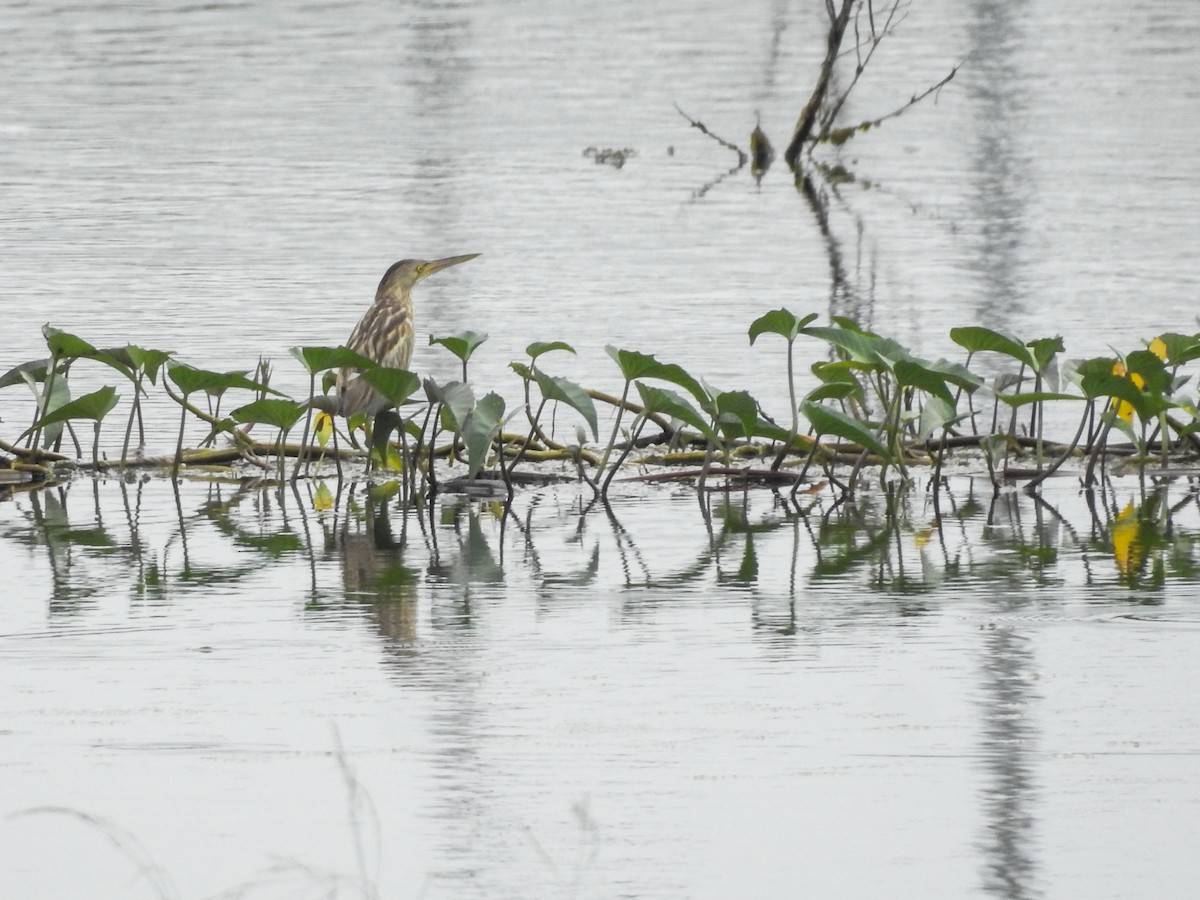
355	395
385	334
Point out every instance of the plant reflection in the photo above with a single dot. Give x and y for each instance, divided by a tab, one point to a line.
119	534
373	571
1007	745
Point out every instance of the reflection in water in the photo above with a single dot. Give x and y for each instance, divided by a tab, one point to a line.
431	589
374	573
1001	174
94	542
1007	746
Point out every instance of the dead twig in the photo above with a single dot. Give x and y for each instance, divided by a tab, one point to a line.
742	157
841	135
873	42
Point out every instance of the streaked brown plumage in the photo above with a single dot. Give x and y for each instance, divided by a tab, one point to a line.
385	332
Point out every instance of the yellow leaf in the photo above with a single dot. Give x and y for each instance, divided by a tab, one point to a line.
922	535
323	427
1124	407
1127	549
394	461
1159	349
323	499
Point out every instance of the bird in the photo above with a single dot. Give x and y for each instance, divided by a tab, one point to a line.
385	333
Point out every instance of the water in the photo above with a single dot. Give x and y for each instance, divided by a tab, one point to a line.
590	703
578	706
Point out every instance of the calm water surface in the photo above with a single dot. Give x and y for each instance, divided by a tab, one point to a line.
650	704
667	699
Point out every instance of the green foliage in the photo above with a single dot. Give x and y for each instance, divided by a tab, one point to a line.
148	361
455	398
781	322
67	345
276	412
94	406
874	394
976	339
636	365
830	421
736	415
666	402
190	379
480	429
564	391
537	348
397	385
319	359
463	344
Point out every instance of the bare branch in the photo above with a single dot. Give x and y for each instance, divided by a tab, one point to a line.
841	135
742	157
876	39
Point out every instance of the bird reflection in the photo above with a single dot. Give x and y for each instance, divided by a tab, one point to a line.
375	575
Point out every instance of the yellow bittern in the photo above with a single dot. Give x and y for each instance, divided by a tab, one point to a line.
385	333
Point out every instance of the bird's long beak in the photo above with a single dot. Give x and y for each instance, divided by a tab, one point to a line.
436	265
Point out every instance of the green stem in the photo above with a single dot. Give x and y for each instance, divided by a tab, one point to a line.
612	439
303	454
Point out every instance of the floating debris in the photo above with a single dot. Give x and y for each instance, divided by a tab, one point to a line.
610	156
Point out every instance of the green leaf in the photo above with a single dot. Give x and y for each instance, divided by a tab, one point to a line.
457	400
521	369
537	348
29	372
319	359
480	429
1076	371
956	374
737	414
60	395
1153	370
936	414
62	343
94	406
636	365
397	385
147	360
834	390
662	401
994	446
781	322
1106	384
840	372
190	379
462	344
862	347
573	395
633	365
827	420
912	374
977	339
1181	348
278	413
1044	350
